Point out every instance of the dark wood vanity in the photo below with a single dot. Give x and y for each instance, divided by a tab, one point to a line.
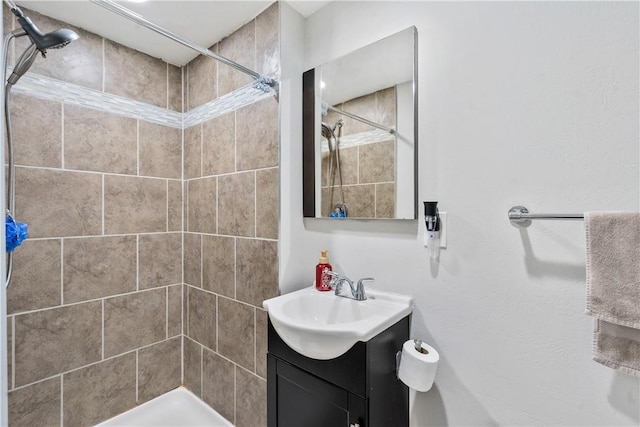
359	388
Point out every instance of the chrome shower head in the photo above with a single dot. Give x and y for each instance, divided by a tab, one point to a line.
53	40
40	42
327	132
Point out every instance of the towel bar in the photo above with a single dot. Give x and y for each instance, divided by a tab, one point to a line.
521	215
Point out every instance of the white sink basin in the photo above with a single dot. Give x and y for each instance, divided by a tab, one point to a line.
321	325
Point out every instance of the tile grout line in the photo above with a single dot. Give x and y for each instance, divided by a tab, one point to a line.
61	400
201	370
104	65
104	196
61	271
217	321
137	377
138	147
62	118
166	331
137	263
103	328
13	351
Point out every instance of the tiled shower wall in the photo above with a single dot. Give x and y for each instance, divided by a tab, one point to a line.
94	307
368	170
231	228
96	303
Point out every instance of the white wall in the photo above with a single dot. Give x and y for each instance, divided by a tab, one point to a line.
532	103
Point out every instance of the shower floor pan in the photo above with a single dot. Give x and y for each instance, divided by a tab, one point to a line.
178	407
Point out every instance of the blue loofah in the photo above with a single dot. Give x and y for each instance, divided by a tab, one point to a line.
16	232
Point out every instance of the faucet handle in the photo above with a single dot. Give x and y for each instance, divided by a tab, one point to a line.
366	279
359	293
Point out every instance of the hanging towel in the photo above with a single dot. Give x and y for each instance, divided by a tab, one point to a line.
613	288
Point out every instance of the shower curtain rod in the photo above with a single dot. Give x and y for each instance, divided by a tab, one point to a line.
262	82
361	119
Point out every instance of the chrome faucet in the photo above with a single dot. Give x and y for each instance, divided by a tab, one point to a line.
357	292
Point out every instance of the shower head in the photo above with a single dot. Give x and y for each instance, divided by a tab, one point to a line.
40	42
327	132
53	40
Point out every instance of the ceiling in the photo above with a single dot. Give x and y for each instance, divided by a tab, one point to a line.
203	22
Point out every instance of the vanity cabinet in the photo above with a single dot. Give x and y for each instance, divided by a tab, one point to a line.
358	388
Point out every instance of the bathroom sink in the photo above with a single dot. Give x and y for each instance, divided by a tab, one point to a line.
321	325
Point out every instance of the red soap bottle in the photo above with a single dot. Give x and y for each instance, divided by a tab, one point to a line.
323	279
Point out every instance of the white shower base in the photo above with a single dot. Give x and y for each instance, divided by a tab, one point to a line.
178	407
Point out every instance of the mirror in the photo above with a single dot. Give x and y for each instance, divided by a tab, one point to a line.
360	133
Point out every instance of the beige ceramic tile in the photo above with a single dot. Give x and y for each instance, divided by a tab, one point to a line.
134	205
365	107
134	75
174	193
218	149
236	335
174	311
202	205
99	392
201	85
35	405
56	203
267	40
325	202
79	63
377	162
160	150
386	107
96	267
257	135
159	260
36	126
218	377
193	152
218	265
261	342
35	282
267	203
57	340
192	366
98	141
348	167
257	270
385	200
239	47
159	369
201	313
360	200
175	88
10	384
251	392
236	204
193	259
134	320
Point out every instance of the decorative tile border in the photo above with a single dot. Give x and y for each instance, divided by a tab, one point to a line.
48	88
362	138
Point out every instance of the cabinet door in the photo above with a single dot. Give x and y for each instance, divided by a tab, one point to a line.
304	400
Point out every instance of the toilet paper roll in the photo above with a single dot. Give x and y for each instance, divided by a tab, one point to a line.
418	368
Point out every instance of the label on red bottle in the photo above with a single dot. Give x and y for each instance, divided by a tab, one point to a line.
326	279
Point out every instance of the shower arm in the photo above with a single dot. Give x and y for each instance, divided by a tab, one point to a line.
261	82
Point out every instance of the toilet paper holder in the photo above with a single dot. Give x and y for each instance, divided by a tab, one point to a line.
419	348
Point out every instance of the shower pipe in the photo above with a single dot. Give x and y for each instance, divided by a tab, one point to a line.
361	119
262	82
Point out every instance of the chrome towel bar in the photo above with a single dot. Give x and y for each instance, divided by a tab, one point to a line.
521	215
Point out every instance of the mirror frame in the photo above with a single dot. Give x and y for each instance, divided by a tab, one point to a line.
309	134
